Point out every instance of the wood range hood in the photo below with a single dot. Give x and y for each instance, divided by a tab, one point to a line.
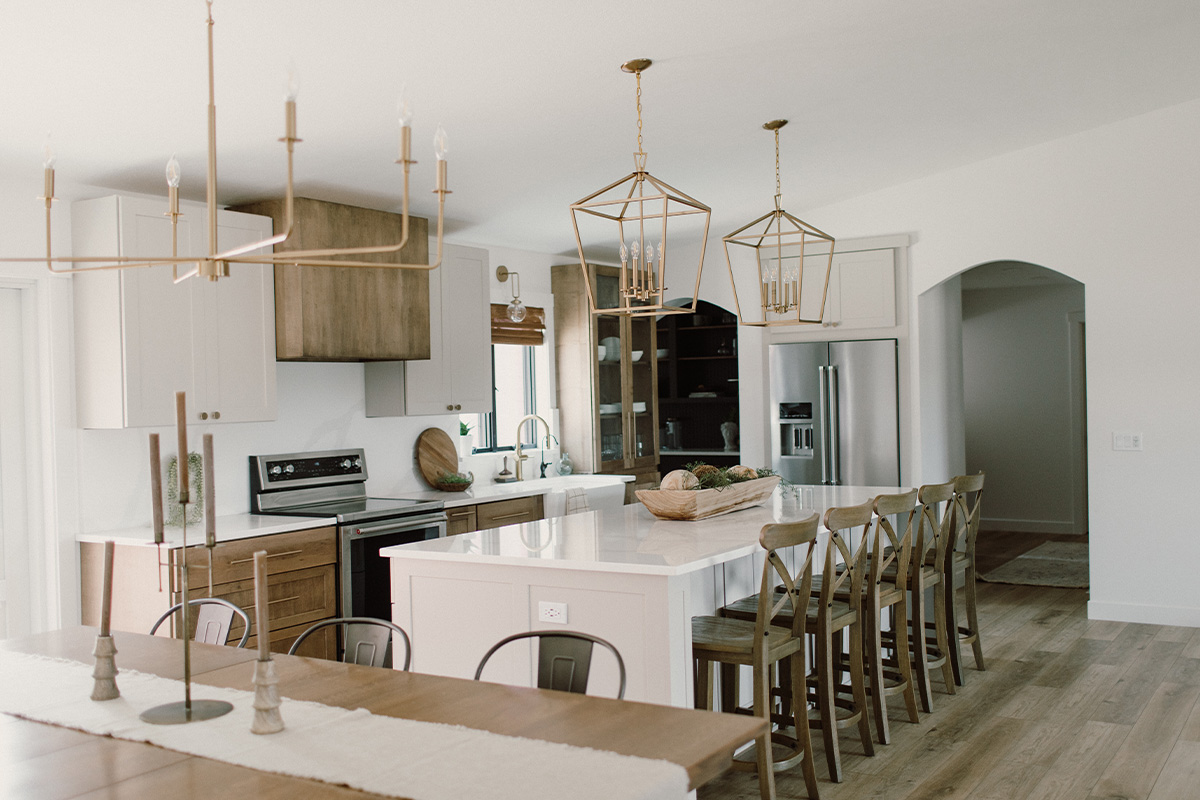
353	314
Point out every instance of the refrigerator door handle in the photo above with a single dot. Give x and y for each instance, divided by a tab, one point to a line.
835	428
823	421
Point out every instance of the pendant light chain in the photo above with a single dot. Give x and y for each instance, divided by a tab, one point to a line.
639	111
778	190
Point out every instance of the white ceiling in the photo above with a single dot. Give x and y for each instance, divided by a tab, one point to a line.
878	92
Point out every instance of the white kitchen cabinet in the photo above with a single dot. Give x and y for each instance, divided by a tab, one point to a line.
457	378
862	289
139	337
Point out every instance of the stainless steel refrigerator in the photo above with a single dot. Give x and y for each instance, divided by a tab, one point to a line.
834	412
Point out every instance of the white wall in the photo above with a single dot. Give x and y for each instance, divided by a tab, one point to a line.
942	424
1114	208
1017	392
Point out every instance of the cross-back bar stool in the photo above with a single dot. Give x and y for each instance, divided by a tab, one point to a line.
763	640
835	608
928	567
960	561
886	591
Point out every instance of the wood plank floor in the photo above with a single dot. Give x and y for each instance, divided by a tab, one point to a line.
1068	709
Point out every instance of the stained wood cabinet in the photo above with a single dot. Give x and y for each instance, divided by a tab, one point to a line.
359	314
302	584
457	377
608	402
495	514
139	337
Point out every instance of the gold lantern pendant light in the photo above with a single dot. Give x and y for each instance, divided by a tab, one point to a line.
641	206
791	264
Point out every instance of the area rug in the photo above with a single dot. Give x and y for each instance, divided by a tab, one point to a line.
1062	564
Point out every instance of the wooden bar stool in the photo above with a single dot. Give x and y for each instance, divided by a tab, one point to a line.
885	590
758	643
960	560
835	607
928	565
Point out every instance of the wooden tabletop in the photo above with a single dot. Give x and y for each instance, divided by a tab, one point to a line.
45	761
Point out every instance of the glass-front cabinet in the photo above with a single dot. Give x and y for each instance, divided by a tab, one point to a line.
607	381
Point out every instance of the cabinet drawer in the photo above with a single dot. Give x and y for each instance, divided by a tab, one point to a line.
300	597
460	520
234	561
508	512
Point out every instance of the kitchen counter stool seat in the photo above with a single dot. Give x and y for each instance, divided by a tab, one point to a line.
759	644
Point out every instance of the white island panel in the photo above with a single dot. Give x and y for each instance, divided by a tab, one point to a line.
625	576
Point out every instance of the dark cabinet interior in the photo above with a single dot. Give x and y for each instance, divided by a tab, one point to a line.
697	386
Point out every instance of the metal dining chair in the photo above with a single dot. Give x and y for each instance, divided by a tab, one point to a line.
213	621
564	659
368	641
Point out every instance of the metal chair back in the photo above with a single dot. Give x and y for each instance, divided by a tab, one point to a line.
367	641
213	620
564	659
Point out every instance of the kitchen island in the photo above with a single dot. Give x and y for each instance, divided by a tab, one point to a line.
621	574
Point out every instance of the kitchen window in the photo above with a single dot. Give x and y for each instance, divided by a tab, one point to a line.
520	386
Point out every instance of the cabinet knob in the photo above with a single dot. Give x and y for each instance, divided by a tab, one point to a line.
457	407
216	415
203	415
449	407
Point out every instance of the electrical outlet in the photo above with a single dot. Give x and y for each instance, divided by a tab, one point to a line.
1124	440
555	613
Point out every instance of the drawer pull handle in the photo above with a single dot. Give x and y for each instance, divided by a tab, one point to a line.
269	555
511	516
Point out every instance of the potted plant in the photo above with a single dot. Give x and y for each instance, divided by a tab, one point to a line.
464	439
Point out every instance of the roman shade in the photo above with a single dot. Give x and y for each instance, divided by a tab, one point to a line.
530	330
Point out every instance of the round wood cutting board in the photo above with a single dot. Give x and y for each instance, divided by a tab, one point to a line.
436	455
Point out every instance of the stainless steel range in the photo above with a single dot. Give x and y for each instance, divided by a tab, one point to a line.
332	483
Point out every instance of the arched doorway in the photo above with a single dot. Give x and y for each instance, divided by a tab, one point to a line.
1023	396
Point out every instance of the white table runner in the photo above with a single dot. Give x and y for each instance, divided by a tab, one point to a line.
385	755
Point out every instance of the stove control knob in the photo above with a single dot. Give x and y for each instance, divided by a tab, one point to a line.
358	463
289	469
347	463
275	470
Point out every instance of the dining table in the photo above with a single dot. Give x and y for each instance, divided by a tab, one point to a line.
44	761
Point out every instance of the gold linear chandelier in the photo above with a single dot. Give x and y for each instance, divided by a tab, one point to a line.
641	206
216	264
790	264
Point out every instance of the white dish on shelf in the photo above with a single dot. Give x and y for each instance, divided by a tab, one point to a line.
610	408
636	355
612	348
662	352
639	407
600	351
703	394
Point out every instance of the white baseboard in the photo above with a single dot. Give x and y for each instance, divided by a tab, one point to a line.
1027	525
1152	615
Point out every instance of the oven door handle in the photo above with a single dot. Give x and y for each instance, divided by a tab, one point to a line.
396	525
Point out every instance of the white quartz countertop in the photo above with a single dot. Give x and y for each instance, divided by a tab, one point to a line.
235	526
632	540
483	491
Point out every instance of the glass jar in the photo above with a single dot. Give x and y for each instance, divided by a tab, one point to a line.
564	464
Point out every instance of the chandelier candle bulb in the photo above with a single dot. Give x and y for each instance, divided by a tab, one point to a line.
210	495
156	509
262	618
181	437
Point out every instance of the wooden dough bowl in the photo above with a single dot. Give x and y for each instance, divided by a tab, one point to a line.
693	504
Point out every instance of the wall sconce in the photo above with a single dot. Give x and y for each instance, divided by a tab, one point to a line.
516	309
